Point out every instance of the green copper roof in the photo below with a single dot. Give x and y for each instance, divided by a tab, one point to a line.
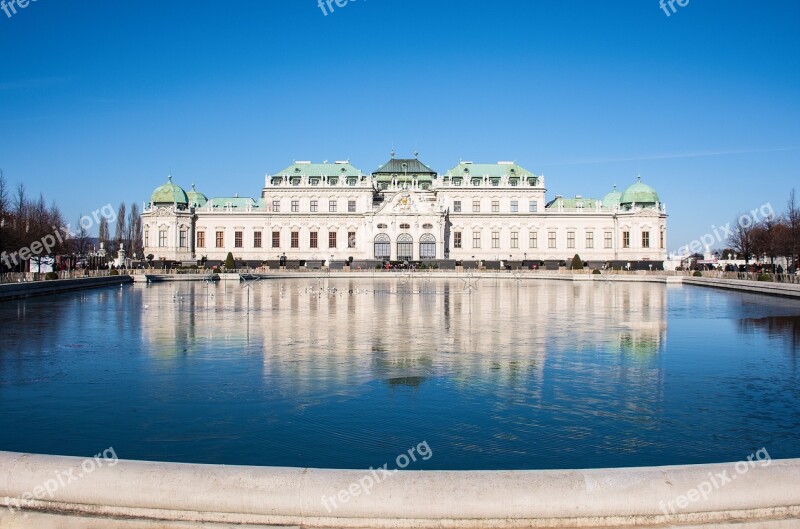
612	198
320	169
587	203
496	170
169	193
404	169
639	193
196	199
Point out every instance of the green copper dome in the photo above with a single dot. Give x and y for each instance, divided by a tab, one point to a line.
612	198
169	194
639	193
196	198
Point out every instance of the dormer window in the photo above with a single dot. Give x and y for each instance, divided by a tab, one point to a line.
495	182
315	181
457	181
351	181
476	181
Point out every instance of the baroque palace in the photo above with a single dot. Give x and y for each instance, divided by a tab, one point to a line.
405	211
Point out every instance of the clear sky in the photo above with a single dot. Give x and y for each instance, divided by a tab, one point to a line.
100	99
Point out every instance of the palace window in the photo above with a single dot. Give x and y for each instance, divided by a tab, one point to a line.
332	206
276	206
495	239
315	181
351	206
276	239
476	206
405	247
457	206
626	239
495	182
476	181
514	206
427	226
533	206
551	239
476	239
237	239
608	239
515	239
427	247
256	239
456	181
589	240
351	181
183	237
662	241
533	239
513	181
201	239
383	246
295	239
405	226
382	226
314	206
313	241
146	237
220	239
495	206
351	239
457	239
295	181
295	206
570	239
162	238
645	239
331	239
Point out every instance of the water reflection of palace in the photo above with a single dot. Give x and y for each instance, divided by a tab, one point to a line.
404	331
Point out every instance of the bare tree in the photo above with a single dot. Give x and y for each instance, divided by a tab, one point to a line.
135	231
81	239
793	224
121	232
742	239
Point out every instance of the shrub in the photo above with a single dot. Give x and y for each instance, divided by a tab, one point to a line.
577	264
596	271
697	273
114	272
229	262
49	276
764	277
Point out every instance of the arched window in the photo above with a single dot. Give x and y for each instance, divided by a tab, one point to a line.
405	247
427	247
383	246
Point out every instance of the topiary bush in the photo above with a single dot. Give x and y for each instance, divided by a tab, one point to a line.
764	277
229	262
114	272
577	264
596	272
49	276
697	273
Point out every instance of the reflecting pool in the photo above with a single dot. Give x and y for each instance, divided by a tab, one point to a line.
319	372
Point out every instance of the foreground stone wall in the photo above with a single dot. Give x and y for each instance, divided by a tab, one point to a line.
37	288
136	494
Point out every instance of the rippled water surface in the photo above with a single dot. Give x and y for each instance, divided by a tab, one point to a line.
344	373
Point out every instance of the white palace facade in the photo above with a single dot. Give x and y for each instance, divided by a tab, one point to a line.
405	211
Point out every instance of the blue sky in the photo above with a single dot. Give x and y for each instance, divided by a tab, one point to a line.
100	100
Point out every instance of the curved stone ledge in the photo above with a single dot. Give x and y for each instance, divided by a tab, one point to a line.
149	494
